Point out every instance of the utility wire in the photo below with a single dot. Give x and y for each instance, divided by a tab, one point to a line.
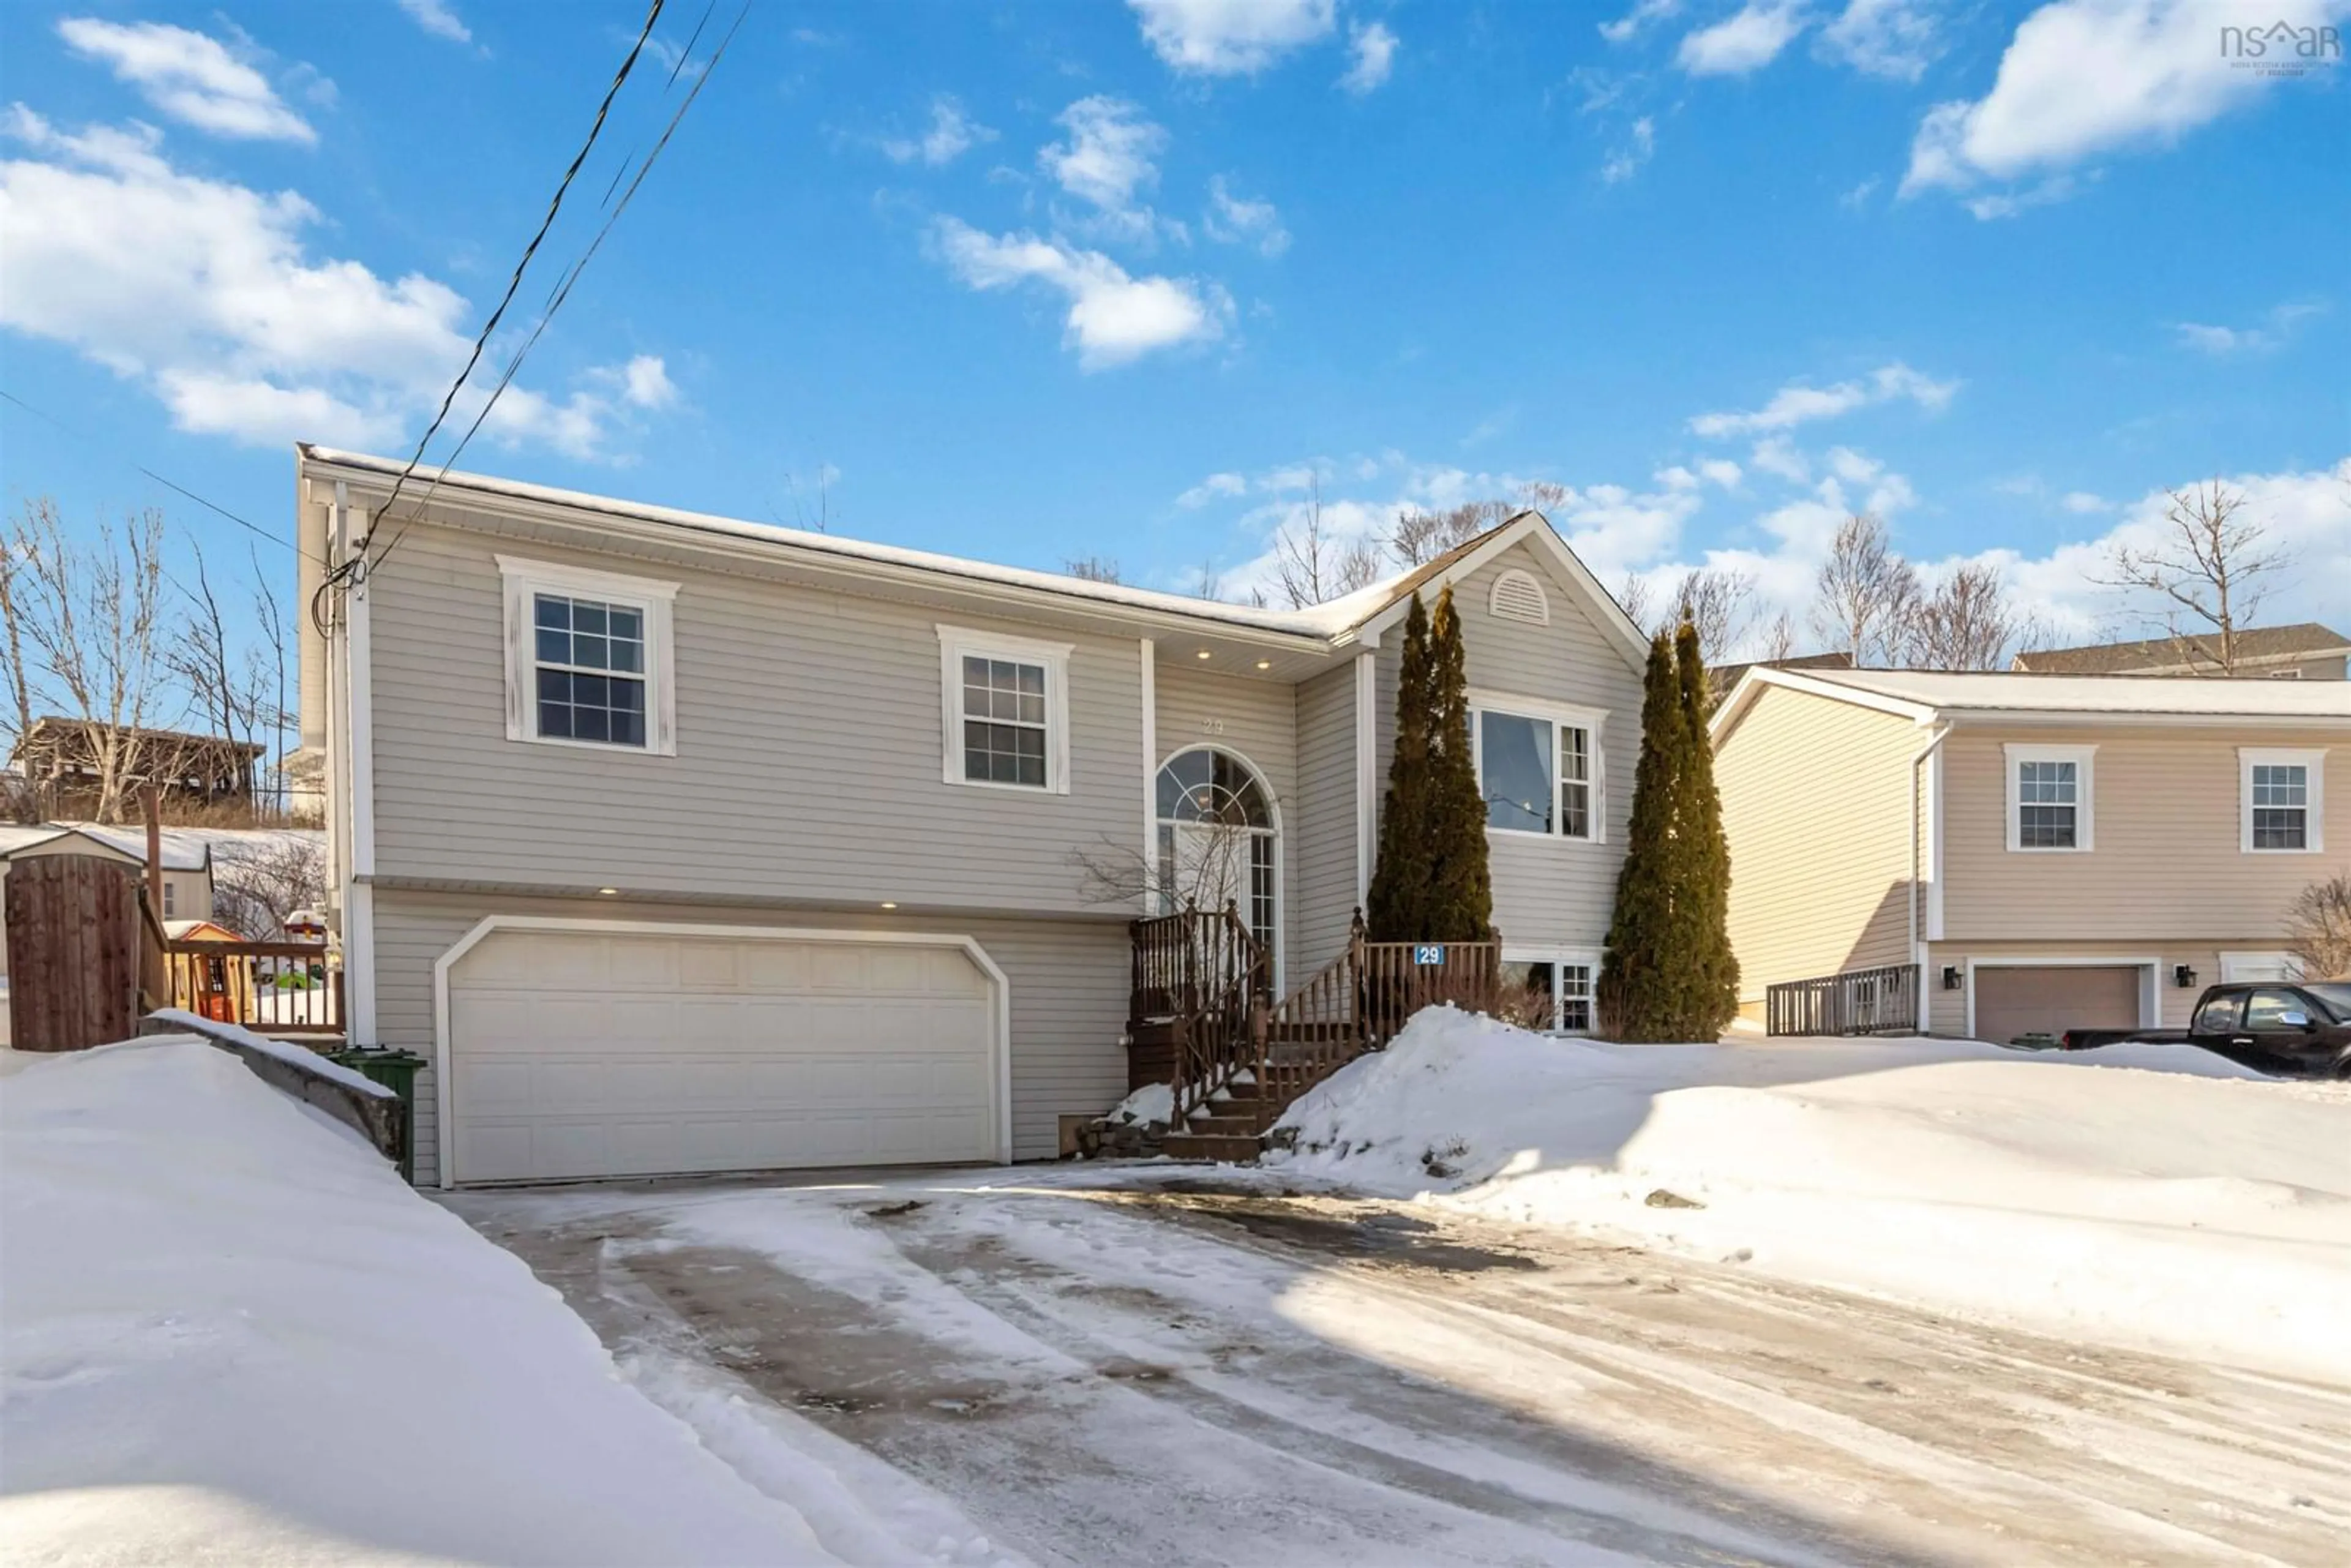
168	484
563	292
354	570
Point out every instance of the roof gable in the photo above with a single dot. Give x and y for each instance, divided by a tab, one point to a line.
1565	571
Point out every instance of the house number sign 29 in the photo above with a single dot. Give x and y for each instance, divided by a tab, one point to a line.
1428	953
1212	726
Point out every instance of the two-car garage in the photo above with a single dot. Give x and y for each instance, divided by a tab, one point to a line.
580	1050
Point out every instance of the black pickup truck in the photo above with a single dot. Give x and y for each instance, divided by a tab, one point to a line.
2292	1028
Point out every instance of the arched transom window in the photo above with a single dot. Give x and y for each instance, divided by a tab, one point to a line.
1218	838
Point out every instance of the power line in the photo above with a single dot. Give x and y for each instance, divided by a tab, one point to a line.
355	569
555	300
168	484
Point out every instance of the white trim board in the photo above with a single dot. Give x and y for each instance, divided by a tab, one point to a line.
444	1078
2150	985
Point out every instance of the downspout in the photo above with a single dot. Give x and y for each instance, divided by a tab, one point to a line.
1919	760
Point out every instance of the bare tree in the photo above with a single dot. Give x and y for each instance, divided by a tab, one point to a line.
1543	495
1213	869
1864	591
1721	603
269	654
1312	566
1633	597
1780	639
2318	928
1965	620
256	884
1419	536
83	625
2207	570
1093	569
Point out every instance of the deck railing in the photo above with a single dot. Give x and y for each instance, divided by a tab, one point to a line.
1858	1001
270	988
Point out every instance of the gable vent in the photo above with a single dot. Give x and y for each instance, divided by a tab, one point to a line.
1518	597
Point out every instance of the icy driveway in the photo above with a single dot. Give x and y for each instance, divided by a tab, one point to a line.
1157	1364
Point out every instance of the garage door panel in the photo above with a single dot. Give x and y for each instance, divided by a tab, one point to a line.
2020	999
578	1054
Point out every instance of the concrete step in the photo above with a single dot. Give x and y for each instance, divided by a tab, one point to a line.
1210	1147
1219	1125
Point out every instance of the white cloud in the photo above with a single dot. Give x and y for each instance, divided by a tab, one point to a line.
1626	161
190	77
203	291
644	382
1797	405
2085	77
1895	39
2222	342
952	134
1721	471
436	18
1859	196
1113	317
1778	454
1629	26
1238	220
1212	487
1231	37
1110	154
1374	47
1746	40
2082	503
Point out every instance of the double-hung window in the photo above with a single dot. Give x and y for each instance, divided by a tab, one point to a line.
1004	711
1549	992
1538	766
2280	800
589	658
2050	804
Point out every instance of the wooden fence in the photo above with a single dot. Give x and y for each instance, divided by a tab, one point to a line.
73	946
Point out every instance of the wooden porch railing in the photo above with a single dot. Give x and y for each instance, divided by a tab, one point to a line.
1205	975
1359	1001
270	988
1858	1001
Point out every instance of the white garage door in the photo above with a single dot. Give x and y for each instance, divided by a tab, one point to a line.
606	1054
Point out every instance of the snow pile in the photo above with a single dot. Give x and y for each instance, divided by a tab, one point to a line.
302	1057
2152	1196
1152	1102
232	1335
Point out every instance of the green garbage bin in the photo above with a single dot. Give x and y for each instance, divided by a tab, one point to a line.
396	1070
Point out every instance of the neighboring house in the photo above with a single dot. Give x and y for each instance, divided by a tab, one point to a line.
2307	652
1723	678
60	758
2053	852
679	843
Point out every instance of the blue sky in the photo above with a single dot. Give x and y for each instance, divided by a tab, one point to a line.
1036	282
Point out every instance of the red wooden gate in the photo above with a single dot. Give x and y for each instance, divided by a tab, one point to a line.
73	952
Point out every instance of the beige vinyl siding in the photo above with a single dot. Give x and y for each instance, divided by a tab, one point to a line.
1255	719
1556	894
1068	977
2165	862
808	750
1816	807
1322	895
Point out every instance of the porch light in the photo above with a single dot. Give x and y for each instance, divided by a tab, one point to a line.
887	904
1206	654
1264	664
2183	976
609	891
1951	976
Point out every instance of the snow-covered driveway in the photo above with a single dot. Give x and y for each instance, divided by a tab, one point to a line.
1161	1365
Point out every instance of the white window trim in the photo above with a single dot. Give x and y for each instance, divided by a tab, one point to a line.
1592	721
1588	958
2314	808
2086	796
525	579
955	642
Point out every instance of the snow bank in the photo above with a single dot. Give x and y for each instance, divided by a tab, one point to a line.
231	1334
297	1055
2151	1196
